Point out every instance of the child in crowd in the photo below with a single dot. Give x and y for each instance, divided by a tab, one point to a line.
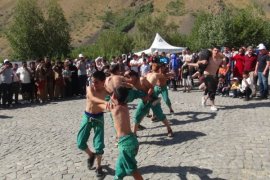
223	88
235	87
246	86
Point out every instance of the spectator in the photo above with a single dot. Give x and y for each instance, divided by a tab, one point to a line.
24	74
246	86
82	77
262	70
15	84
7	75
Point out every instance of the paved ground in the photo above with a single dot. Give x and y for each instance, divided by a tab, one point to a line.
39	142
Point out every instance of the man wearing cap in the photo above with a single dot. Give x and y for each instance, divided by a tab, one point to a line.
262	70
249	65
6	76
81	66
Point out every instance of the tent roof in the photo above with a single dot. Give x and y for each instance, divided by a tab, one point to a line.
161	45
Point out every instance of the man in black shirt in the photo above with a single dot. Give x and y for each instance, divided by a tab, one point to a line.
262	70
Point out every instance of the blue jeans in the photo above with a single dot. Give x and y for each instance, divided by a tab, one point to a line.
263	82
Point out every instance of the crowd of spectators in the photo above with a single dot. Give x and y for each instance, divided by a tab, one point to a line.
45	80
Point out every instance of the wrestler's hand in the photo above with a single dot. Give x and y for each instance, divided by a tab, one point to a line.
109	105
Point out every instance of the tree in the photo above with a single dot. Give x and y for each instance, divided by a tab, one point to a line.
57	31
26	32
232	27
148	26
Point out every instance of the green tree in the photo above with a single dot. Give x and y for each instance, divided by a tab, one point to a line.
57	31
26	32
148	26
232	27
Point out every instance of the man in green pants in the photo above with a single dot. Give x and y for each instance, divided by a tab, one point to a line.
143	108
128	145
93	119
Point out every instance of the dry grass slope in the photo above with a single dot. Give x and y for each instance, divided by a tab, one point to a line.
83	15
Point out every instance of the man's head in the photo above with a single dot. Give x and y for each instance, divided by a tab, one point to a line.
134	76
115	69
262	49
155	67
24	64
250	50
98	79
241	51
120	94
215	50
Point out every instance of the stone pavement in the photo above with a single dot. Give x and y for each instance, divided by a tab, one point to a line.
39	142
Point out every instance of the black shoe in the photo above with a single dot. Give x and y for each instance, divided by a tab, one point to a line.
140	127
90	161
99	172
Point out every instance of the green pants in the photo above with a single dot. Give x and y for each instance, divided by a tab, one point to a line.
135	94
126	163
164	93
89	121
143	109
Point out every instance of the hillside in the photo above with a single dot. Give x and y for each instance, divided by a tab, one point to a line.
85	22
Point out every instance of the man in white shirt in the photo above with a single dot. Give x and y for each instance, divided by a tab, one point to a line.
135	63
24	74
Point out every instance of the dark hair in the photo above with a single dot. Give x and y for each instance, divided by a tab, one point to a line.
121	94
114	68
100	75
133	73
246	72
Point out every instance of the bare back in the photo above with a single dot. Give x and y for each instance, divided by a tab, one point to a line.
152	78
112	82
120	114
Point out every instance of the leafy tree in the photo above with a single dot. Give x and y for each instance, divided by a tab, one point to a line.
26	32
57	31
232	27
148	26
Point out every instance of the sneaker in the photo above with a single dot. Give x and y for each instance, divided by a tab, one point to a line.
99	172
203	102
90	161
213	108
155	102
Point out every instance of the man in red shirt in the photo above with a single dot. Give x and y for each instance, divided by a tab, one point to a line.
249	65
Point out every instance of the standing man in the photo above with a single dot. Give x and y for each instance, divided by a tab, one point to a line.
81	66
210	74
262	70
25	77
6	73
250	65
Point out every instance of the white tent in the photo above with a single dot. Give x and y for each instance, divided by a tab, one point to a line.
160	45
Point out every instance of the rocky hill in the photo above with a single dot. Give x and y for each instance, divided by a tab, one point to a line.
84	16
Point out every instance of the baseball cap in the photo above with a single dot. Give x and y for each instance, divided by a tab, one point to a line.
6	61
80	55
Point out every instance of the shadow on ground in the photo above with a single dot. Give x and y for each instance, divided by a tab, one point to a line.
190	117
179	137
249	105
181	171
5	117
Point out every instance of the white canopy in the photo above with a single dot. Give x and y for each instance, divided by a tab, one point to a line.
160	45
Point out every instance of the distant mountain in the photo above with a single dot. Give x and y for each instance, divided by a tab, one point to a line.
85	19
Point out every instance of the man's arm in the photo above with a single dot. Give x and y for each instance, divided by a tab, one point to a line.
90	94
3	69
267	66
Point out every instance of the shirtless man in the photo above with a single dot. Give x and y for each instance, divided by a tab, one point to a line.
210	74
128	145
93	118
162	84
143	109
